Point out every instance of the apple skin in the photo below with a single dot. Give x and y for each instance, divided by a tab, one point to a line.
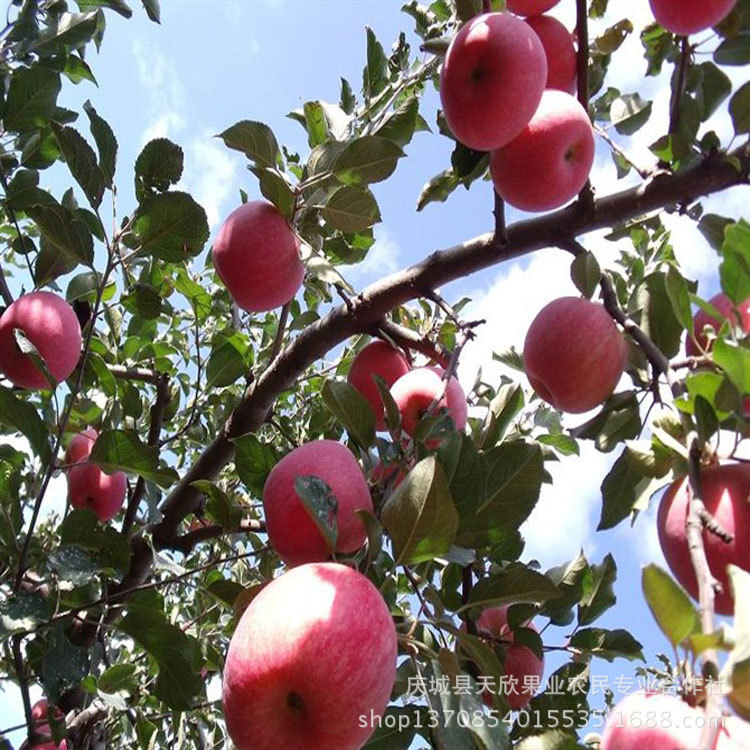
418	388
256	255
685	17
49	322
574	354
702	319
377	358
530	7
560	50
495	59
314	651
548	163
676	724
518	660
45	729
725	491
734	734
291	530
88	486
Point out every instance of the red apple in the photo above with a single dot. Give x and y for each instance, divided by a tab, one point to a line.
81	445
689	16
734	734
518	661
561	53
381	474
256	255
652	721
725	492
549	162
574	354
739	317
377	358
492	80
415	392
312	662
530	7
45	730
291	530
50	324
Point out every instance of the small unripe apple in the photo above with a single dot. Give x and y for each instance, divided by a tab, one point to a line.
652	721
574	354
311	663
291	530
561	53
415	392
530	7
492	80
377	358
548	163
725	491
256	255
50	324
690	16
739	317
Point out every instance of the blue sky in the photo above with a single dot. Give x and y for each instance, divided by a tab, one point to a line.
213	62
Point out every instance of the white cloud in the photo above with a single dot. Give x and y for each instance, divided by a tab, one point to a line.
382	259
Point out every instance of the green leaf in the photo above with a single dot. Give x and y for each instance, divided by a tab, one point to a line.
62	229
75	564
629	113
74	29
171	226
81	161
375	75
586	274
254	460
739	109
51	263
397	729
464	472
514	584
276	189
366	160
679	296
712	227
352	410
351	209
254	139
563	444
735	266
118	450
106	143
152	10
219	508
23	417
736	672
158	166
734	51
399	125
118	677
320	502
348	99
32	98
438	188
503	409
669	604
229	359
607	644
571	580
600	596
658	319
735	361
64	665
81	528
119	6
420	515
22	612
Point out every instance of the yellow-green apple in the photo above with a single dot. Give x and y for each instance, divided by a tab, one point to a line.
256	255
725	491
88	486
561	53
690	16
548	163
519	662
50	324
492	80
649	720
574	354
415	391
292	531
377	358
311	664
737	317
530	7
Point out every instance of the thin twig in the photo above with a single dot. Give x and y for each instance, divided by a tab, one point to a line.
23	682
501	231
134	373
674	110
604	135
280	330
186	542
586	196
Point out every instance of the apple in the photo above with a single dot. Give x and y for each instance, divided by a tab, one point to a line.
739	317
46	731
256	255
291	530
377	358
311	663
574	354
561	53
90	487
530	7
734	734
548	163
685	17
725	491
518	661
50	324
492	80
415	391
652	721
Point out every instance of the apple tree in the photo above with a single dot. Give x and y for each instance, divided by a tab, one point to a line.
214	412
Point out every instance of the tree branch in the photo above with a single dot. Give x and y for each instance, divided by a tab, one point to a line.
586	196
186	542
408	339
135	373
674	113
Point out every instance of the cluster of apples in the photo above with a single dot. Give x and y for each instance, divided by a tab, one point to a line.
39	713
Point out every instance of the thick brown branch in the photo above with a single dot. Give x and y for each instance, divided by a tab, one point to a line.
408	339
186	542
